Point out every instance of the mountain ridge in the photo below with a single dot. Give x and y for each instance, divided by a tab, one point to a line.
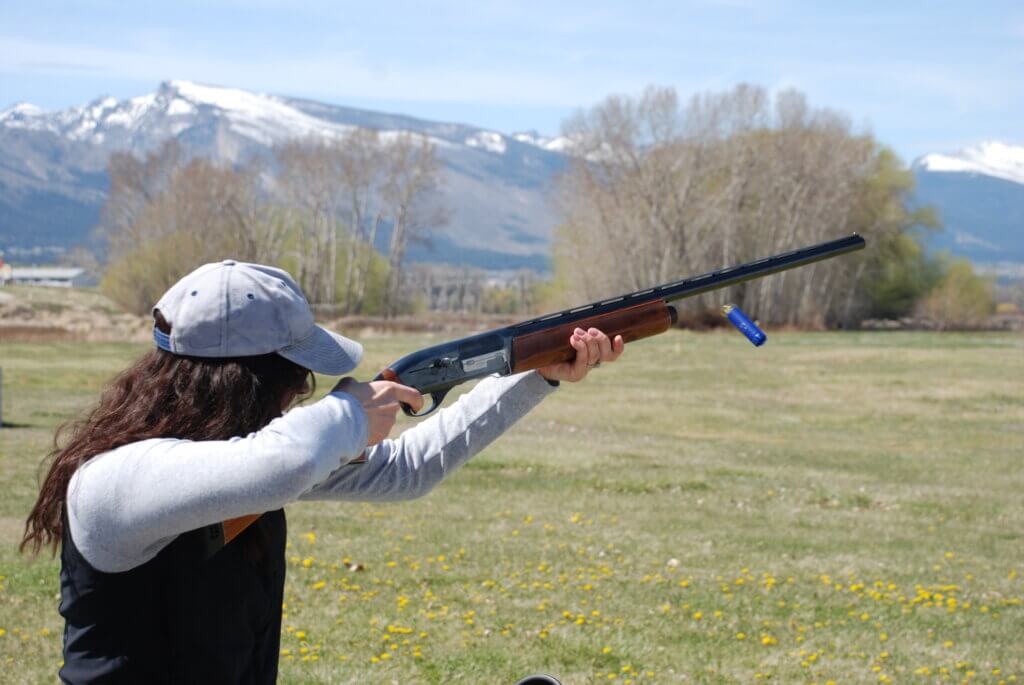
989	158
53	178
53	181
979	195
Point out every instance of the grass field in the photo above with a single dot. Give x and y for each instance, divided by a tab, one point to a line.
831	507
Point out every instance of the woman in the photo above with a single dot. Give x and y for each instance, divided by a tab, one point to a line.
192	434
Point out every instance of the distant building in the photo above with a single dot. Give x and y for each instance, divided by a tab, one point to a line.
55	276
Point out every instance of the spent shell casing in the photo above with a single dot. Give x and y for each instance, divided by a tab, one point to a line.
744	324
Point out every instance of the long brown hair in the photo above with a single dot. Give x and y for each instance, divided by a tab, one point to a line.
163	395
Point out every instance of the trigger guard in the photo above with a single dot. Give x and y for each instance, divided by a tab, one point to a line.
436	399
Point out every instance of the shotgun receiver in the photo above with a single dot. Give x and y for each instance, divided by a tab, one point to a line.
542	341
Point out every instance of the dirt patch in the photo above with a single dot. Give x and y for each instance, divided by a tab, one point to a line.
39	314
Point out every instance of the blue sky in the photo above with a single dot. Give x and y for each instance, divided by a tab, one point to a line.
923	76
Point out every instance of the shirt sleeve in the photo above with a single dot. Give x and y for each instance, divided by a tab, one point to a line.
125	505
421	457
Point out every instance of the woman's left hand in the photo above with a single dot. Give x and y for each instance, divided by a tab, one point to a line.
592	349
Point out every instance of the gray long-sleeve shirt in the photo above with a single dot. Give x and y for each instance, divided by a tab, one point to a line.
126	505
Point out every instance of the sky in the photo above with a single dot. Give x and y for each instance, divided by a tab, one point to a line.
921	76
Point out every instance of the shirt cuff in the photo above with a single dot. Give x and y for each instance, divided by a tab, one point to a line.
356	434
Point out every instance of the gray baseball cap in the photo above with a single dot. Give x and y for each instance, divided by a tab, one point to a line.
234	309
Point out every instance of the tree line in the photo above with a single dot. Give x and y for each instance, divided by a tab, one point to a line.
316	207
660	189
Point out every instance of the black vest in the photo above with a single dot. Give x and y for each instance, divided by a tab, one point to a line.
182	617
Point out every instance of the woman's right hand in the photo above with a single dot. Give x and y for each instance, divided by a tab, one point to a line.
380	400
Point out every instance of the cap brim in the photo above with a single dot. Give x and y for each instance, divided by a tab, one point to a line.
325	352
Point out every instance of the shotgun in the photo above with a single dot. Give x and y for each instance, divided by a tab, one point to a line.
542	341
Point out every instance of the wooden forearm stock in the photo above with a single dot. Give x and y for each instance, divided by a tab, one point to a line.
536	350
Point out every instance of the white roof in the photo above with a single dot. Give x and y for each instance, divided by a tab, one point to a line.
45	272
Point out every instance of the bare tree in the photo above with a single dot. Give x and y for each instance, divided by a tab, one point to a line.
659	190
311	179
363	161
331	200
204	213
134	183
412	174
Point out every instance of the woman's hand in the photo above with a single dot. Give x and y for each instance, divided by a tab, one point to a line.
381	401
592	348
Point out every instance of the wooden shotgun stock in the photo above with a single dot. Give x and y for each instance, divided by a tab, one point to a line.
540	342
545	347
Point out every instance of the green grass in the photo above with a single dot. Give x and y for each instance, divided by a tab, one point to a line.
815	496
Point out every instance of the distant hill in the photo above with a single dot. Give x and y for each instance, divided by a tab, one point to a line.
53	165
979	193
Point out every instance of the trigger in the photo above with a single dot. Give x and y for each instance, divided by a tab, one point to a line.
436	398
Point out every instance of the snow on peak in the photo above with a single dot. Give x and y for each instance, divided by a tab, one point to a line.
264	118
22	115
488	140
557	144
214	96
21	109
989	159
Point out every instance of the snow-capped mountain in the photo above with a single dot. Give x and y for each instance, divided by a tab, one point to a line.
991	158
53	164
53	171
979	193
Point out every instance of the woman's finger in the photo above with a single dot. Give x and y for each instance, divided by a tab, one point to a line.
582	361
410	396
604	345
618	346
594	349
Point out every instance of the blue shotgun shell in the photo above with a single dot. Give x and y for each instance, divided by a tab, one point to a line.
744	324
